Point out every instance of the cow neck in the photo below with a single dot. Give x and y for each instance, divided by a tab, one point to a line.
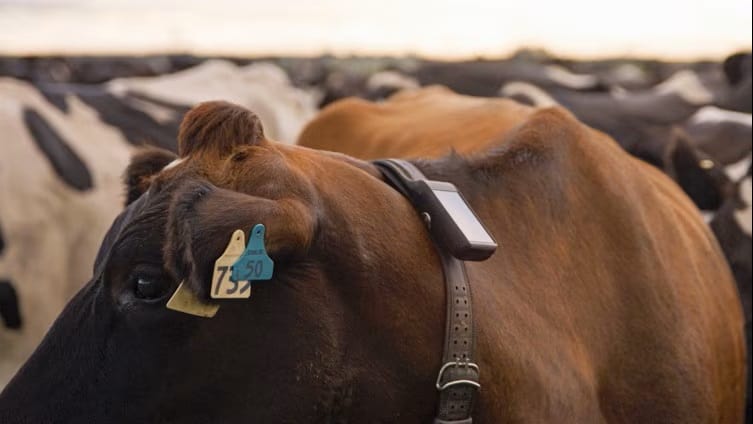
458	379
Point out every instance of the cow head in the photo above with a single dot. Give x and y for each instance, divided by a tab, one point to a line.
350	326
702	178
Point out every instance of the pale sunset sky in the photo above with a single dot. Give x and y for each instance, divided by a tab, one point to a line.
668	29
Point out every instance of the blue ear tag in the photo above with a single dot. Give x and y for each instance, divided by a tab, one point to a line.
254	264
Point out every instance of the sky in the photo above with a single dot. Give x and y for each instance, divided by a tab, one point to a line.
668	29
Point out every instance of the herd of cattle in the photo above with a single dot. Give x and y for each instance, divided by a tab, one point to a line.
70	127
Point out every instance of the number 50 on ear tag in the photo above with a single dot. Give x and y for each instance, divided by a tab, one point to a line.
254	264
222	286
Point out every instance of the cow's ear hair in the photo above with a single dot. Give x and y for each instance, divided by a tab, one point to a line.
216	128
144	165
202	218
696	173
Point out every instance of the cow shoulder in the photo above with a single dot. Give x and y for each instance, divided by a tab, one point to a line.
546	146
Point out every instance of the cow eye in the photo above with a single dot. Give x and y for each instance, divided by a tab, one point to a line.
149	288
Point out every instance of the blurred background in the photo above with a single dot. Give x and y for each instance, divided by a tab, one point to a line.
669	29
84	83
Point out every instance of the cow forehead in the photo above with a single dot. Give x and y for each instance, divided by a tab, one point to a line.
269	162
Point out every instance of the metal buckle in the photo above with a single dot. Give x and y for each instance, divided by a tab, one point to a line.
441	386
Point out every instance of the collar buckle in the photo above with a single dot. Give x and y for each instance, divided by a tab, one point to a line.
442	385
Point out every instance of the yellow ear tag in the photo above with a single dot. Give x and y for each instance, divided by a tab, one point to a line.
222	286
185	300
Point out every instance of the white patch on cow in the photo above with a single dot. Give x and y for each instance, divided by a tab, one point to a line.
737	170
265	71
628	73
565	78
713	114
173	164
688	86
391	79
263	88
744	216
159	113
708	216
536	95
618	92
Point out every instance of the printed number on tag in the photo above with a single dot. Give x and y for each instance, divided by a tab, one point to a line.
254	264
222	286
255	268
227	288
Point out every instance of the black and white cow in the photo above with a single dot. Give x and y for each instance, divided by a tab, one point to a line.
64	147
482	78
725	135
59	183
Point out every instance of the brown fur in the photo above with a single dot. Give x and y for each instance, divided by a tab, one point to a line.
612	326
587	314
413	124
217	126
656	217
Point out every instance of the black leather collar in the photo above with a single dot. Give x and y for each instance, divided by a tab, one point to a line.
458	379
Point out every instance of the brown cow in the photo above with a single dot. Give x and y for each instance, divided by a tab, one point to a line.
412	124
587	314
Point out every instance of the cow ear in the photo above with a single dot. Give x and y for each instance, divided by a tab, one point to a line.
217	128
202	218
143	167
698	175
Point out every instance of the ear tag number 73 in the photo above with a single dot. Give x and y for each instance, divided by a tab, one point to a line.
222	286
254	264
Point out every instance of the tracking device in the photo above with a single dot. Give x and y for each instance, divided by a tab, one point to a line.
450	219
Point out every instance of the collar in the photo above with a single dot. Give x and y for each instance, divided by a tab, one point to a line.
456	237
